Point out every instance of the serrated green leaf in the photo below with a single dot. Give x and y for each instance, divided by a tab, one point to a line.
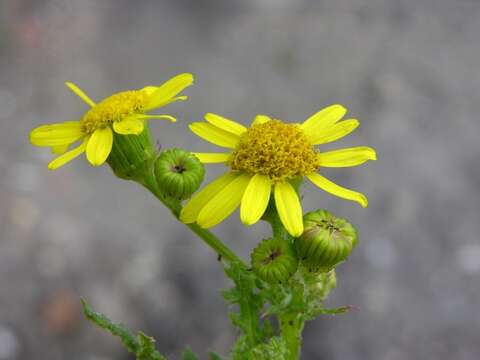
119	330
142	346
147	349
231	296
334	311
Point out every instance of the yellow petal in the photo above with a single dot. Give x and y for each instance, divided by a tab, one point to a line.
335	132
347	157
191	210
225	124
149	90
99	146
260	119
223	203
129	126
255	199
60	149
323	119
215	135
175	99
68	156
212	158
289	208
57	134
337	190
168	90
81	94
160	117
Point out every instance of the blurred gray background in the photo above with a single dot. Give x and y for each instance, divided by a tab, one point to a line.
408	69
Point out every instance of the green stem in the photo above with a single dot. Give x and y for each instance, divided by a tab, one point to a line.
175	207
291	323
278	230
291	327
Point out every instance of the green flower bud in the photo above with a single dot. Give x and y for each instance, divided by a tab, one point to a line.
131	155
326	240
274	260
178	173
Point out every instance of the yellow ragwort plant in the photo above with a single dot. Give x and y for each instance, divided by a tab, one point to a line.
291	273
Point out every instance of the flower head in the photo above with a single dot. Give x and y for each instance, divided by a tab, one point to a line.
123	113
264	159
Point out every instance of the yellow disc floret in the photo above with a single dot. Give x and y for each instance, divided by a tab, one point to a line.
276	149
114	108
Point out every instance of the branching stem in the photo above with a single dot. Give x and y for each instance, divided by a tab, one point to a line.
175	207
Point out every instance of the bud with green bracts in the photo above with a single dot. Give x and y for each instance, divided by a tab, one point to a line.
326	240
274	260
179	173
131	155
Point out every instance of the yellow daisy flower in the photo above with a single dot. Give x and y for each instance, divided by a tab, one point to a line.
123	113
263	158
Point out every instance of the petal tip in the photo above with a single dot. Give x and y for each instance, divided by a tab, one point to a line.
363	202
296	233
187	77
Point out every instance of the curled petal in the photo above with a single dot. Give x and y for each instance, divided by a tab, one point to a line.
129	126
160	117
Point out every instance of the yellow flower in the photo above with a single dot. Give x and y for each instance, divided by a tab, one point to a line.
263	158
123	112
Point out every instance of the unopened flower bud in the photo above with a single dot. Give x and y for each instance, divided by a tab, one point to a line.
178	173
274	260
326	240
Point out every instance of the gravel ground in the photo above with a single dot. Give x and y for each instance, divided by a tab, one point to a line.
408	69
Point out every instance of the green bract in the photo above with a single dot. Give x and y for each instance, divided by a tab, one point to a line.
274	260
178	173
326	240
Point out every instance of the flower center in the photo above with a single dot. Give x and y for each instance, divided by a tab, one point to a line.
278	150
114	108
